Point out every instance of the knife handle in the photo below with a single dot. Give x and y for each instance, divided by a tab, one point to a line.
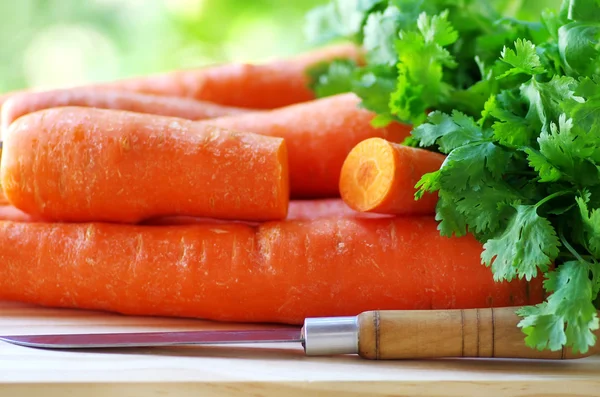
384	335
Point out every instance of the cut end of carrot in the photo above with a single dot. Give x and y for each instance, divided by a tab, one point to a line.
367	174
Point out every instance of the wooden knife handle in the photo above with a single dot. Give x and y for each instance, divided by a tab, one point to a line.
384	335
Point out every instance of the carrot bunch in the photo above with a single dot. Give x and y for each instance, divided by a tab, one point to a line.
225	193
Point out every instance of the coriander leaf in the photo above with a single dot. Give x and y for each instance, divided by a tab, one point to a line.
336	19
449	132
366	5
583	10
569	308
578	48
374	85
486	209
569	152
591	226
529	243
472	165
537	161
552	22
545	99
437	29
542	330
379	36
336	79
511	129
420	67
584	109
525	60
488	107
429	182
451	222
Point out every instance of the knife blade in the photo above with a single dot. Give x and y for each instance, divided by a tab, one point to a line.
376	335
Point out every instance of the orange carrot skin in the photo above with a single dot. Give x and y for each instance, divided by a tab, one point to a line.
319	135
267	85
277	272
380	176
24	103
82	164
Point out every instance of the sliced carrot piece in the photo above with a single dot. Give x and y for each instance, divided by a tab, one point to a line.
380	176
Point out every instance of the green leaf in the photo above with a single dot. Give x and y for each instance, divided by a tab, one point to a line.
529	243
591	225
542	330
449	132
546	99
568	318
537	161
374	85
569	152
429	182
451	222
511	129
487	208
336	79
583	10
336	19
379	36
578	49
584	110
471	166
525	60
437	29
421	65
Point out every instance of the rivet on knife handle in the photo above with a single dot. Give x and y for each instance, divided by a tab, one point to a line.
413	334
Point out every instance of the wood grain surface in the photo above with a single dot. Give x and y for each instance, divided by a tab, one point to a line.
253	370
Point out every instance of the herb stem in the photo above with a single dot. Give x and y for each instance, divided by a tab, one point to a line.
587	258
569	247
552	196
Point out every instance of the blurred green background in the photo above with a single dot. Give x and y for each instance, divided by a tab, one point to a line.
56	43
53	43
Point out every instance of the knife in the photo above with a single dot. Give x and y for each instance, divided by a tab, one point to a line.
375	335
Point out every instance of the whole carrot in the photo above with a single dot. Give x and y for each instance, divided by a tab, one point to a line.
266	85
84	164
319	135
20	104
277	272
380	176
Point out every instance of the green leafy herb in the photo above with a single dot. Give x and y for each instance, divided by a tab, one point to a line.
510	92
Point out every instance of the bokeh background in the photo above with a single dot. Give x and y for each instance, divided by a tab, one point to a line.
53	43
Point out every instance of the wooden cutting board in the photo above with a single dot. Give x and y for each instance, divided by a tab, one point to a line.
255	370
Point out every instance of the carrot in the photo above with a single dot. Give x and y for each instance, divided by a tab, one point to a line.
277	272
21	104
85	164
267	85
380	176
319	135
